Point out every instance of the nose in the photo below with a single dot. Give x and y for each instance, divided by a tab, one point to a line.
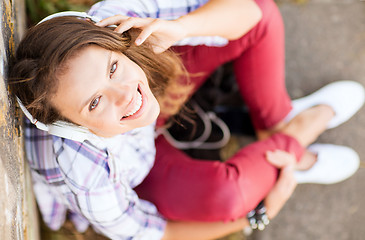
120	94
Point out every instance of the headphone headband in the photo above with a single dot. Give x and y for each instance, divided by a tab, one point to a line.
71	14
62	128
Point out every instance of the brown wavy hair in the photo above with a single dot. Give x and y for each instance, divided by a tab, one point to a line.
46	48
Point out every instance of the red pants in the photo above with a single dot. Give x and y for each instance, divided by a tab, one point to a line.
188	189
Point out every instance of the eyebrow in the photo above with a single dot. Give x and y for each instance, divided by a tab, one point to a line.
87	102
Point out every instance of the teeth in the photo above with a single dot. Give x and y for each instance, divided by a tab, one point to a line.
136	107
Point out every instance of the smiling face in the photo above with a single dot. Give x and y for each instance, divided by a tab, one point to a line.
106	92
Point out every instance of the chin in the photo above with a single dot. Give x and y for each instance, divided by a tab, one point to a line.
151	118
148	118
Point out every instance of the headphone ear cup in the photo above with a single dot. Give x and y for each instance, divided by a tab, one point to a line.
70	131
39	125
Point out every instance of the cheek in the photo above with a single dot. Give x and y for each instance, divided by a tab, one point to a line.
98	122
64	110
105	123
102	129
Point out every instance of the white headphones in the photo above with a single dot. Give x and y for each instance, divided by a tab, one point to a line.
81	15
61	128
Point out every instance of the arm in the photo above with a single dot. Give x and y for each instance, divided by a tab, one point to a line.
230	19
202	230
215	18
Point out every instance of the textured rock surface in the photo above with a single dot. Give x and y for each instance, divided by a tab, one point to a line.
17	215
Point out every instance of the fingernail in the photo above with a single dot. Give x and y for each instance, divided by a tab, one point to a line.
138	41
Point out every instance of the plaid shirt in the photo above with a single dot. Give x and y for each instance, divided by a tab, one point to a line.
93	183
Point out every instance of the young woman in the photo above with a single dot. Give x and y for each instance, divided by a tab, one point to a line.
98	90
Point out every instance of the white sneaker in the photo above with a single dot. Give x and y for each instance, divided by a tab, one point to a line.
334	164
345	97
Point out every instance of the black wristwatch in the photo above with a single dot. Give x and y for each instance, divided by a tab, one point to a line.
258	218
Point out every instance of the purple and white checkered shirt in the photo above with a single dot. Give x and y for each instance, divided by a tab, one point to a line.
94	184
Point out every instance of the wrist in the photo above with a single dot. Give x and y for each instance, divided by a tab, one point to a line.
187	25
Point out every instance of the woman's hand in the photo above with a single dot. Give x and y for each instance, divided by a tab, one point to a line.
285	184
165	32
229	19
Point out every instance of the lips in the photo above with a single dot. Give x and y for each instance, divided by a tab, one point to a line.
136	107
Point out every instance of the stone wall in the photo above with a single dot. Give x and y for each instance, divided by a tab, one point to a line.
18	218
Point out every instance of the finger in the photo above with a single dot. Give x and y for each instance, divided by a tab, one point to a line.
132	22
146	32
280	158
125	25
116	19
158	49
276	158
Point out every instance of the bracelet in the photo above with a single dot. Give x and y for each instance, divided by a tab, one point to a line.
258	218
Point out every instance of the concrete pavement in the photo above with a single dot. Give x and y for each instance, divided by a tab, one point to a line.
325	41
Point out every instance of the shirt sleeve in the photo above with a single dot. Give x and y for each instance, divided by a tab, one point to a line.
110	205
164	9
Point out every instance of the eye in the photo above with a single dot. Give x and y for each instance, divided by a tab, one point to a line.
113	68
94	103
